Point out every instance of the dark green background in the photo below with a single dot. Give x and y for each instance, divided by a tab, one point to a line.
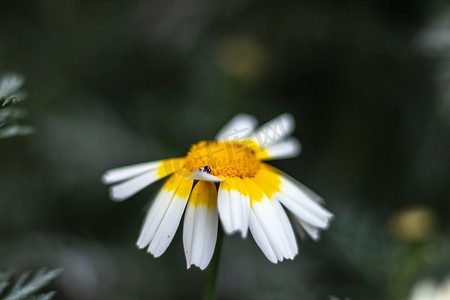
112	83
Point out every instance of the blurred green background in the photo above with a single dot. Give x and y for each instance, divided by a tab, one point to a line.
111	83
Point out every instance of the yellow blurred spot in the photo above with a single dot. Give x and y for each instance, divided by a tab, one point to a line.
413	224
241	57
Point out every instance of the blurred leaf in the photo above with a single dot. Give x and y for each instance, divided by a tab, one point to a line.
46	296
8	100
4	280
15	130
26	286
8	115
9	85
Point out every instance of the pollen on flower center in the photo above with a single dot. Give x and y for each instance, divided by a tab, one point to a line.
225	159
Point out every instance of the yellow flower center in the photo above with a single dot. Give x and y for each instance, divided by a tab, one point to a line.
223	159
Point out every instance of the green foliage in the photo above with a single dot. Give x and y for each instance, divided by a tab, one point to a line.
25	286
9	116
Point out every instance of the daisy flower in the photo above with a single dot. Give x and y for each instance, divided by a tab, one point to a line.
226	179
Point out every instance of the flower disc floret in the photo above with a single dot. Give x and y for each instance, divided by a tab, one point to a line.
225	159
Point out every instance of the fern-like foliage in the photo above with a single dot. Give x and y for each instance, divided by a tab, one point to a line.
26	286
10	94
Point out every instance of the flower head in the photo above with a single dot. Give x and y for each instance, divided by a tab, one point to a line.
226	179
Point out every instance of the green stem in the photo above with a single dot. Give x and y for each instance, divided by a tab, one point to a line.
211	275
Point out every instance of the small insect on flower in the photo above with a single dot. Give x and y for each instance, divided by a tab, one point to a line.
206	169
227	179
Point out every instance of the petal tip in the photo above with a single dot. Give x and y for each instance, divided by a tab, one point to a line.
140	245
115	196
202	175
104	178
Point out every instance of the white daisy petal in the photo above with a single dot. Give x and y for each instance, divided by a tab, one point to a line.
171	219
303	206
273	229
310	193
128	188
243	210
274	131
234	206
278	232
296	198
137	178
300	212
260	238
200	225
158	210
224	206
122	173
288	230
239	127
312	231
284	149
202	175
278	186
